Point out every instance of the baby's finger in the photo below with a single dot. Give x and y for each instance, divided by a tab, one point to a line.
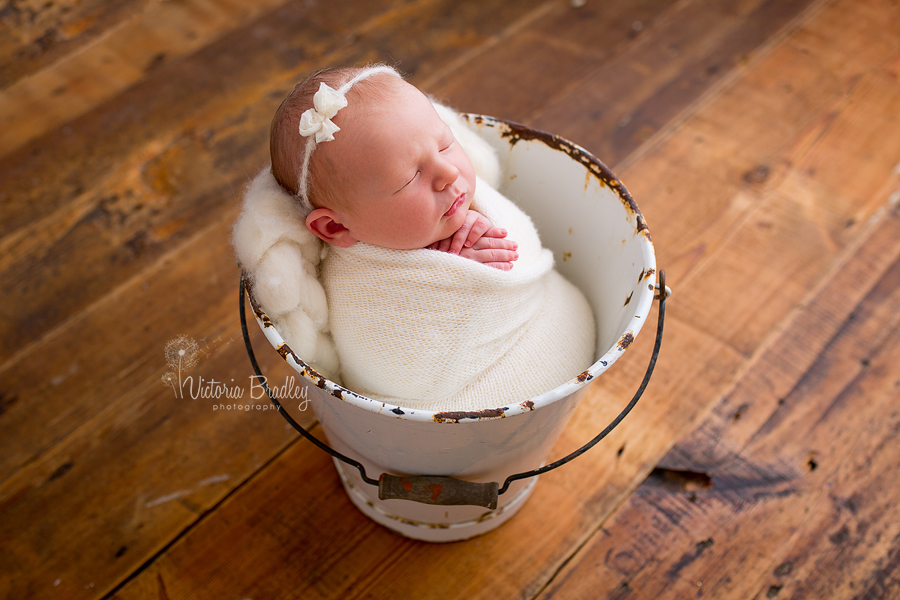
490	255
503	266
458	240
480	226
495	232
497	243
444	245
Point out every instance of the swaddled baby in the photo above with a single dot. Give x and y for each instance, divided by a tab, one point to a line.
432	290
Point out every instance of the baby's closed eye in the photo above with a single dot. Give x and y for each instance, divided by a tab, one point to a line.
409	181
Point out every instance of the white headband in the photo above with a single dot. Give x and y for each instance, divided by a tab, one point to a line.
316	124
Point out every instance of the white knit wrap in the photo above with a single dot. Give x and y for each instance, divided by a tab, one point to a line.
431	330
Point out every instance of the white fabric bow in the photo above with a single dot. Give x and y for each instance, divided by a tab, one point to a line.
317	120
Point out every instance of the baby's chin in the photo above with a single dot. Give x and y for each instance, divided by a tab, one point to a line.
457	219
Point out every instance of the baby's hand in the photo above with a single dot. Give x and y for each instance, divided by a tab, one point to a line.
477	239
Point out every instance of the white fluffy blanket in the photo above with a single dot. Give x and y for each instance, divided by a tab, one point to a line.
421	328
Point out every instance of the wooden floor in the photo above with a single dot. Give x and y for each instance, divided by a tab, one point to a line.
761	140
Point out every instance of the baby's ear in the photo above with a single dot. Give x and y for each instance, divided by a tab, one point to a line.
326	224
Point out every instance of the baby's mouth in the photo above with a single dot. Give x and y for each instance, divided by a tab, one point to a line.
456	204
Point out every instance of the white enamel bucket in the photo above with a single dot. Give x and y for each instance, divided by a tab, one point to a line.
601	244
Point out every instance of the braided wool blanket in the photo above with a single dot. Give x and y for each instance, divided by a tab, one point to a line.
418	328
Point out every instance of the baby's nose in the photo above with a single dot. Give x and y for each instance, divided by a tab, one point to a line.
446	175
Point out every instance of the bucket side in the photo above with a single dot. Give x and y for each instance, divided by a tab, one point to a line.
584	214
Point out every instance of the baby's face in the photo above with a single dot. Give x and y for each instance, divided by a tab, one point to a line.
409	183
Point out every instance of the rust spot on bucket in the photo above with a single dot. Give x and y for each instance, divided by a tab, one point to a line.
254	305
628	299
436	490
626	340
528	405
515	132
457	416
586	376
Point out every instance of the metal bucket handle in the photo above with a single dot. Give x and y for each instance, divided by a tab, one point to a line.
444	490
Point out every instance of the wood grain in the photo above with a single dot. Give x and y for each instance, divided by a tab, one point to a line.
137	37
801	419
754	135
34	34
170	153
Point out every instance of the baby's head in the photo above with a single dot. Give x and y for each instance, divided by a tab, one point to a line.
383	169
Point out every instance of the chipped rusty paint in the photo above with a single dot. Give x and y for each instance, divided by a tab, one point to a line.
283	349
457	416
626	340
254	305
628	299
528	405
515	132
583	377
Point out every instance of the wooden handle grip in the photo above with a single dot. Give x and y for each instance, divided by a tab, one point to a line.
446	491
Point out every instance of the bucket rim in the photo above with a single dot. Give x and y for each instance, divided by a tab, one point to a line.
514	133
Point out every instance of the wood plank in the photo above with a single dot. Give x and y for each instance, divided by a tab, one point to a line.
757	475
51	392
623	102
145	468
136	37
559	49
106	452
805	217
856	517
167	155
35	34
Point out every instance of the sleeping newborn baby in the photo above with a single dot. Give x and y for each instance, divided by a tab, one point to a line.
389	262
